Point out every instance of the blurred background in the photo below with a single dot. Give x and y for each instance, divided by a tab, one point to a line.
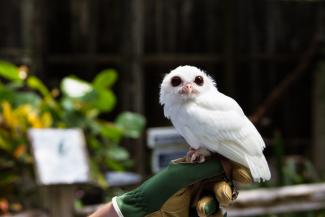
97	65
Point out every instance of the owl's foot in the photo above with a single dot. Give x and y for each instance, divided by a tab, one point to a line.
197	155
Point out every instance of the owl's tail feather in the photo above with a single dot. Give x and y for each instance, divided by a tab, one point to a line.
259	168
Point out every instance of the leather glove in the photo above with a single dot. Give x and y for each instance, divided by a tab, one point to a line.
176	190
220	191
166	193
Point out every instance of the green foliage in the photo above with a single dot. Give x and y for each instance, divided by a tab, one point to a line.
90	97
292	170
9	71
130	124
26	102
34	83
105	79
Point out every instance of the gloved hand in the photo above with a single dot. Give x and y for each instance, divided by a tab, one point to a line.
220	192
174	190
150	197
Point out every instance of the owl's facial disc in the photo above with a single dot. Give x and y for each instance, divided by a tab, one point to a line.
186	88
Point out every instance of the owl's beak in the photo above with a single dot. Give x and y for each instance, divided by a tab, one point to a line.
187	89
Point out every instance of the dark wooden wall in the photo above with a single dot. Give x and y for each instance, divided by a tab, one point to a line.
248	46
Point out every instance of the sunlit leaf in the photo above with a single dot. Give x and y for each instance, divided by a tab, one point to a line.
34	120
46	119
131	123
35	83
75	87
105	79
9	71
106	100
101	100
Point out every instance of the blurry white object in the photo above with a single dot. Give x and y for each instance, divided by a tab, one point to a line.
60	156
75	88
122	178
167	145
162	136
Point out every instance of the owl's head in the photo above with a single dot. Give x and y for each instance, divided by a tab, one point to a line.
184	83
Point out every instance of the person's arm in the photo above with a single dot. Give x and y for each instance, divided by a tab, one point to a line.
106	210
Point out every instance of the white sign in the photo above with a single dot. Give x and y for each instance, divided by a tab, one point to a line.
60	156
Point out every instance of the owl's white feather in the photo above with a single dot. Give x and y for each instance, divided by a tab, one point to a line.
209	119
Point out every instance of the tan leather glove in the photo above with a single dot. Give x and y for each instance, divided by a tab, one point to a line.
179	190
205	197
220	191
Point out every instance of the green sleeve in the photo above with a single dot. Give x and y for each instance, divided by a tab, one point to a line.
153	193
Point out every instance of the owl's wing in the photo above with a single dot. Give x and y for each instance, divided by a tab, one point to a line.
232	135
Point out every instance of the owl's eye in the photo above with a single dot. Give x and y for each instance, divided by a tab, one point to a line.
199	80
175	81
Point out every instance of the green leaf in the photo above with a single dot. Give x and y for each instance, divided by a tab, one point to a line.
67	104
93	143
99	99
35	83
86	97
94	127
105	79
75	87
26	98
18	98
74	119
131	123
105	100
15	85
111	132
9	71
118	153
114	165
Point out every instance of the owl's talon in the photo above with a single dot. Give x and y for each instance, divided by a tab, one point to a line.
200	159
189	155
195	156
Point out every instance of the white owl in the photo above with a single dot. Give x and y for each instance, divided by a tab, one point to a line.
211	121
